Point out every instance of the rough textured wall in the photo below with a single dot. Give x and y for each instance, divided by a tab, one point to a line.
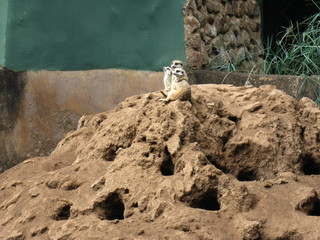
3	29
81	34
222	31
38	108
11	97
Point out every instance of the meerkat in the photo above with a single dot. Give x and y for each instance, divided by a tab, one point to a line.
167	79
180	88
176	64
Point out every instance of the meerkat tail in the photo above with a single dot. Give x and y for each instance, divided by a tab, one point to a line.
164	94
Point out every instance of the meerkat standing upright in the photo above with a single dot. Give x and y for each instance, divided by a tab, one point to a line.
180	88
167	79
176	64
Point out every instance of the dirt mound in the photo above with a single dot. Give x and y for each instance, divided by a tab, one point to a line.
234	163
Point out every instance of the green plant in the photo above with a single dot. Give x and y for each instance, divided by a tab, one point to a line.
298	50
297	53
227	61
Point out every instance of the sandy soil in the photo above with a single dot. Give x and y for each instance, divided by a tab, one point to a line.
233	163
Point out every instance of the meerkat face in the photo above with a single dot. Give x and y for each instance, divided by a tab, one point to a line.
167	70
176	64
179	72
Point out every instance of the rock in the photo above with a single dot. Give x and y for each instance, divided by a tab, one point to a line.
194	41
250	230
191	24
246	37
210	30
229	40
237	22
231	163
239	8
214	6
194	59
252	8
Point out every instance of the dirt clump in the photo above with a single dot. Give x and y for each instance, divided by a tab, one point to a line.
232	163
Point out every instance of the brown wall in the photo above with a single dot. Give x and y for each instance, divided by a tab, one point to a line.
39	108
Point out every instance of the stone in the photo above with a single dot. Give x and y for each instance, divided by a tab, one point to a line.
194	58
254	25
250	230
199	3
245	37
234	24
252	8
210	30
229	39
214	6
194	41
224	18
241	53
191	24
239	8
210	18
217	41
200	16
229	9
244	23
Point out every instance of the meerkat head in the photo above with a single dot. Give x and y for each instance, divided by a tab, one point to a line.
176	64
179	72
167	70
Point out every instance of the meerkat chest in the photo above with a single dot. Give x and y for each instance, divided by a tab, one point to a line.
182	84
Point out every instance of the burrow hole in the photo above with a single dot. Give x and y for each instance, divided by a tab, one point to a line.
247	175
233	119
309	165
241	148
63	213
111	208
303	129
315	211
208	201
311	207
109	154
72	186
167	165
216	163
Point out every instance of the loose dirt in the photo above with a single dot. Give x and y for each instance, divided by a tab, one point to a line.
233	163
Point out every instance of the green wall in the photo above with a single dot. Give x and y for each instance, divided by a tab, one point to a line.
83	34
3	29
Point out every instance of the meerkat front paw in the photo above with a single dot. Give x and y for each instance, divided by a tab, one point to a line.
163	100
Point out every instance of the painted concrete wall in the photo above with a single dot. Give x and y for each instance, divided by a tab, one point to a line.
38	108
100	34
3	29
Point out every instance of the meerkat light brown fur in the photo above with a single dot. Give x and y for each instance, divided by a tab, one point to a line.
168	77
180	88
176	64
